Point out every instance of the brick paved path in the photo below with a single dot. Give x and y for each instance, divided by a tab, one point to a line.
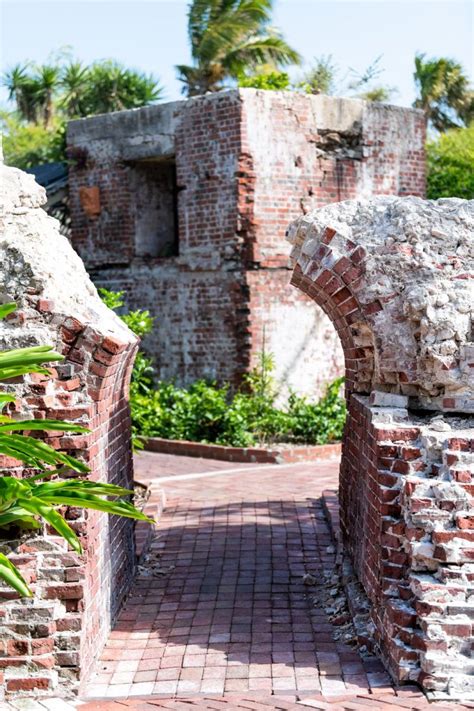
220	617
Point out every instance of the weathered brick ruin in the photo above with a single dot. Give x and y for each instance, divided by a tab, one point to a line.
48	643
396	279
185	206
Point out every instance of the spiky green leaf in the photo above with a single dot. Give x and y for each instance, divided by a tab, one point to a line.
38	507
12	576
6	309
10	425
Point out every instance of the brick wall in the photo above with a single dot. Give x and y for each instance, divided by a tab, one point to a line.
377	269
50	641
407	522
247	162
298	153
198	296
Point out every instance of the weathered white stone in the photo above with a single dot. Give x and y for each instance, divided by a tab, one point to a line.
419	265
35	256
383	399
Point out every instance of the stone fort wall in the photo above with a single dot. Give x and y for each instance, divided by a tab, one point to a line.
396	279
185	206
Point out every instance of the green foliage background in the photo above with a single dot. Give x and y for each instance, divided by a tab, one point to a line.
48	96
208	411
28	144
450	162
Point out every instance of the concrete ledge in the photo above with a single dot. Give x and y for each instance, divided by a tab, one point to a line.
252	455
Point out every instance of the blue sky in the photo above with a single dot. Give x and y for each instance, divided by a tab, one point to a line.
151	34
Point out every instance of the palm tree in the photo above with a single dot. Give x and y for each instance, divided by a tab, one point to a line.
47	81
444	93
111	87
22	89
74	82
229	37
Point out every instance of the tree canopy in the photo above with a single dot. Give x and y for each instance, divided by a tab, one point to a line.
228	39
444	92
450	160
47	96
75	90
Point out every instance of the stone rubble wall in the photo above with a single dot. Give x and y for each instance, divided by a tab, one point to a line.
396	278
400	270
247	162
49	642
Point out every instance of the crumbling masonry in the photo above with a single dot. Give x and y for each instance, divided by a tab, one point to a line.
185	206
48	643
396	279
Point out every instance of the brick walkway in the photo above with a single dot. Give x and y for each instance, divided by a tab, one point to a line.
219	617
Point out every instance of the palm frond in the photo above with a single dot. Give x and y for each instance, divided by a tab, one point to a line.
227	37
9	425
40	508
36	453
6	309
231	28
269	49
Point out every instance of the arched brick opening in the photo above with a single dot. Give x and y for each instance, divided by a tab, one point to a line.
49	642
334	294
395	277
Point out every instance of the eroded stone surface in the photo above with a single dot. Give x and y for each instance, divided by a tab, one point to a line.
407	282
35	257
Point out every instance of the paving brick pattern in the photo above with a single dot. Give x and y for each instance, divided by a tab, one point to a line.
220	617
406	699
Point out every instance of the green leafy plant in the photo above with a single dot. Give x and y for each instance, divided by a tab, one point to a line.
28	144
319	422
450	160
140	322
32	501
276	81
46	96
208	412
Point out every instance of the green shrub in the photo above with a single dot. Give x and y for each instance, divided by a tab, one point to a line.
275	81
450	161
318	422
208	412
141	323
27	145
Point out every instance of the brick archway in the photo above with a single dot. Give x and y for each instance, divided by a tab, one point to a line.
50	641
332	282
395	277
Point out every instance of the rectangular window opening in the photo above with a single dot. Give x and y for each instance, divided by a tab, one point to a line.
155	199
